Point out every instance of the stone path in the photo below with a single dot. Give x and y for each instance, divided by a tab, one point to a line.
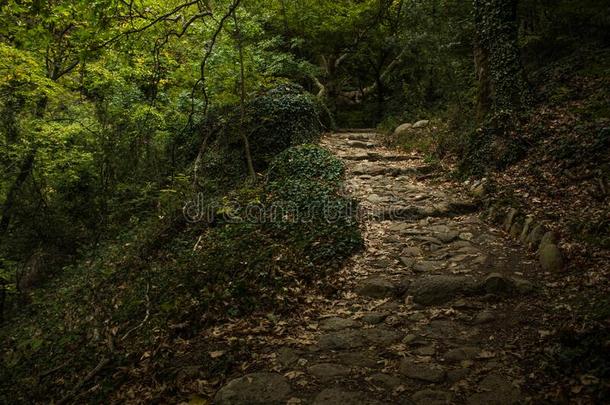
422	316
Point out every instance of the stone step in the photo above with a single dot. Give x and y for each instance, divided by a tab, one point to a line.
378	157
378	170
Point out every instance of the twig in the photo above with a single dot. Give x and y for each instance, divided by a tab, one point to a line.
82	382
145	318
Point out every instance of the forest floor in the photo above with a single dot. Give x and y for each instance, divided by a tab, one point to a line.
438	308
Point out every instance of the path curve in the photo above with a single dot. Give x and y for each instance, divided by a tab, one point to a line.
421	316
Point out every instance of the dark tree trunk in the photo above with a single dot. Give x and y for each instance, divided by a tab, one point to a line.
502	84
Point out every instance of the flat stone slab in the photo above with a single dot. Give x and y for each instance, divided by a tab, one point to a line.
328	371
336	396
462	353
336	323
377	287
342	340
421	371
257	388
431	397
496	390
431	290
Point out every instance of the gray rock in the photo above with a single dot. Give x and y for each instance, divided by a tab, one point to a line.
498	284
515	230
550	257
549	238
423	372
374	318
345	339
377	287
431	397
403	129
456	375
358	359
360	144
438	289
412	251
380	335
447	237
421	124
327	371
484	317
526	228
535	236
427	266
336	396
408	262
510	218
385	380
426	351
286	357
257	388
496	390
462	353
335	324
523	286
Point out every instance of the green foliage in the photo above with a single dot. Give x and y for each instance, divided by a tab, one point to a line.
309	162
282	117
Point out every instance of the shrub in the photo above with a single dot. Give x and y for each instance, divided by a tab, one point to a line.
282	117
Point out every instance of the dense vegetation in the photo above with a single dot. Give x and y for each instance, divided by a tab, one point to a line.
121	120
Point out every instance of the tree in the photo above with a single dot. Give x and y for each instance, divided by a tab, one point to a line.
501	82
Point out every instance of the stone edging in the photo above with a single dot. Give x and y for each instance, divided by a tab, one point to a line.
534	234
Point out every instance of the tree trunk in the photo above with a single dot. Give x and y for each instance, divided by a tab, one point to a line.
502	85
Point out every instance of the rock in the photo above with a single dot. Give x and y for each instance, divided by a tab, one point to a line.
380	335
335	324
479	191
498	284
336	396
550	257
466	236
484	317
423	372
360	144
385	380
535	236
403	129
286	357
421	124
549	238
428	266
510	218
438	289
496	390
431	397
412	251
462	353
358	359
257	388
526	228
377	287
447	237
374	318
426	351
345	339
523	286
327	371
515	230
459	374
408	262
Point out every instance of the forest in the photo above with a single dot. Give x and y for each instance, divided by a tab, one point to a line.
304	201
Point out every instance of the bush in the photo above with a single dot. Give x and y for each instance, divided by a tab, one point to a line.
309	162
284	116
